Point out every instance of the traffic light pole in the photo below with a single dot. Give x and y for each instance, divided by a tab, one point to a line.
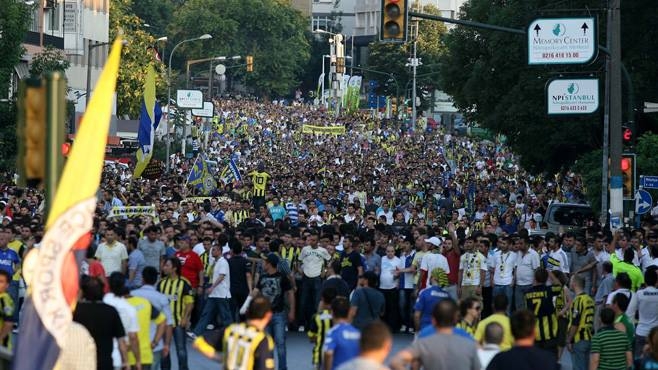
616	183
55	126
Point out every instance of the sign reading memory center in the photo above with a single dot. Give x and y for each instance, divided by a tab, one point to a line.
562	41
573	96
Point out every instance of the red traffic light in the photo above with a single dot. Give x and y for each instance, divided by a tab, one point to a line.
626	164
66	149
627	134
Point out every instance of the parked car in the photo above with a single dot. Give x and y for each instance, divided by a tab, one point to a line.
562	217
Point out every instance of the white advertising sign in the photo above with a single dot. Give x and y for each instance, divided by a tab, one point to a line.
189	99
562	41
573	96
208	110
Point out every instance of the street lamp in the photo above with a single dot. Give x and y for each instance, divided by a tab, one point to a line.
202	37
91	47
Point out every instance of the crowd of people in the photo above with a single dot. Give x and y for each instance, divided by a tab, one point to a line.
349	238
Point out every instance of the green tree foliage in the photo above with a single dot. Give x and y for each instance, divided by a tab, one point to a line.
487	75
391	58
270	30
14	21
50	59
137	55
156	13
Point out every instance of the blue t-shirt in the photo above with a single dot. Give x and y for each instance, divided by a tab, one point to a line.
9	259
426	301
343	341
277	212
431	330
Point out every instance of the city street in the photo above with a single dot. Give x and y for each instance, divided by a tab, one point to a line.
299	352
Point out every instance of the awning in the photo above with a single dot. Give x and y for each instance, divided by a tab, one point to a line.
22	70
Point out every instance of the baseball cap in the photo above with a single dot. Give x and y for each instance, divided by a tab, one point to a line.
434	241
273	259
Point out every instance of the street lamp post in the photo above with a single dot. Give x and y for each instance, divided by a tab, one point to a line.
202	37
90	47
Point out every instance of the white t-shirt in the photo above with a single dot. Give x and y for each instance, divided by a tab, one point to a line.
560	256
312	260
386	278
504	264
223	290
472	264
612	294
432	261
646	301
526	264
128	316
111	256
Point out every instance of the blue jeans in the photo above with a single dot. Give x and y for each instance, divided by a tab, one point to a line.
214	306
580	355
181	350
507	291
309	299
519	296
157	359
406	305
277	329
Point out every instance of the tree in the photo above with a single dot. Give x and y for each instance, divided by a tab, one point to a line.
50	59
270	30
14	21
487	75
391	58
137	54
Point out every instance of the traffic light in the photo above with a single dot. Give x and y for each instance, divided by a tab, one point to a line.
394	21
628	175
66	149
340	65
32	133
627	134
250	63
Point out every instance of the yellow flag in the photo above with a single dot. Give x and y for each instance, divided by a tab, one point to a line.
82	174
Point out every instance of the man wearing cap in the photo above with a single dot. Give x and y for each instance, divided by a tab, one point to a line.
431	261
277	289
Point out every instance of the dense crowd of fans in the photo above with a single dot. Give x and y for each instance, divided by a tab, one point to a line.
438	235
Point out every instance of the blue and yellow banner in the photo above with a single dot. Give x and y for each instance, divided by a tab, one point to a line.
149	118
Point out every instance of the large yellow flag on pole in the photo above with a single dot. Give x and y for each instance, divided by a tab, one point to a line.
51	271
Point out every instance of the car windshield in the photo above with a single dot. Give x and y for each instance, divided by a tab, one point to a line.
570	215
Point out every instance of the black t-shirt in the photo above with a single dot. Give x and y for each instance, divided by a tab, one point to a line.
238	267
342	289
349	264
274	288
104	324
524	358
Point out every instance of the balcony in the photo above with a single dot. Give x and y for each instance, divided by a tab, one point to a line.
33	36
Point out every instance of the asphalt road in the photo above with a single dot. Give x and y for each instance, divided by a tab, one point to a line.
299	353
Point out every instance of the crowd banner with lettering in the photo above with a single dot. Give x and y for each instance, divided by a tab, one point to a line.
323	130
132	211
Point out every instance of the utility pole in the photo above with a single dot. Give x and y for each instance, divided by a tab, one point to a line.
414	62
614	74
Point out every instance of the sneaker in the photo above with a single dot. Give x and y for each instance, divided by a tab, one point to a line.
191	335
301	328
